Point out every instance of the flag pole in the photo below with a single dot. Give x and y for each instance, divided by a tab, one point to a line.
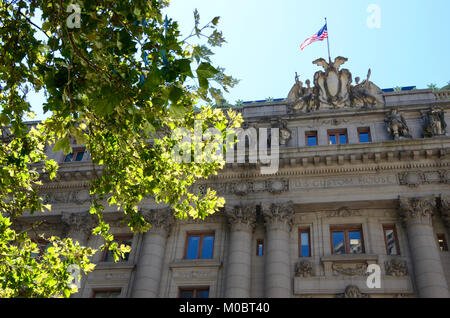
328	42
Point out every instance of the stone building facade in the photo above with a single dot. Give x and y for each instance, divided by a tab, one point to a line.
363	179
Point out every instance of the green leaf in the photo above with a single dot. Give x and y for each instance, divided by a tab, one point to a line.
63	144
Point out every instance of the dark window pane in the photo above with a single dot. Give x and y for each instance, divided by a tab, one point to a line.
193	245
354	238
442	243
343	139
332	139
79	156
338	243
69	157
312	141
364	137
390	241
202	294
304	237
260	250
114	294
186	294
101	295
208	245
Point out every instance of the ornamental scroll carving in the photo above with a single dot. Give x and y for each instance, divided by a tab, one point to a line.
396	267
278	213
417	209
303	269
241	214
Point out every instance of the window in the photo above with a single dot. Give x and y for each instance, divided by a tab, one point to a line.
259	247
337	137
199	246
390	238
194	292
42	246
304	243
442	243
347	240
106	293
125	240
311	138
364	135
76	155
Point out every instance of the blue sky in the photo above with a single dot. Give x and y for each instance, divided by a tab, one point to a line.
410	48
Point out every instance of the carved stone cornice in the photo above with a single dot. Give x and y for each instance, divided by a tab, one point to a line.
73	223
160	219
417	210
278	213
241	214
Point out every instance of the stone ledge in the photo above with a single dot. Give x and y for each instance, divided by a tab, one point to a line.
183	263
113	266
350	258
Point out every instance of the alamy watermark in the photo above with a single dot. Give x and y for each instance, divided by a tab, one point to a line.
374	19
74	19
374	278
257	150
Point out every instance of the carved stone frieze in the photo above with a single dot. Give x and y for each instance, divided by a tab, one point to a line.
303	269
77	197
278	213
241	214
344	212
243	188
352	291
396	267
349	269
417	209
416	178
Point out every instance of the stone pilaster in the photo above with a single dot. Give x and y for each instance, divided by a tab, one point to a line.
242	220
78	226
416	214
149	267
278	219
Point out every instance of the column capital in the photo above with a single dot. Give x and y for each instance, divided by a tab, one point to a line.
279	213
445	209
159	219
417	210
80	223
244	214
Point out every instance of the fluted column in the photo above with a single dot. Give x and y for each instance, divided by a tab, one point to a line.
238	280
78	226
428	271
149	267
278	219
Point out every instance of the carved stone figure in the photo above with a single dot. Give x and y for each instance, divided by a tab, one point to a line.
434	122
333	85
396	125
396	267
366	94
303	269
302	98
285	133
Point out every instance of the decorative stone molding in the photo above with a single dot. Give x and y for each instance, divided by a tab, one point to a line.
349	269
77	223
241	214
416	178
396	267
243	188
278	213
344	212
352	291
303	269
81	196
419	210
161	219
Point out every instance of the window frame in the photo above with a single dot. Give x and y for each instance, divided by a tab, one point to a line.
346	229
364	130
397	245
200	249
75	151
311	134
195	289
300	231
106	290
337	133
119	239
442	235
259	242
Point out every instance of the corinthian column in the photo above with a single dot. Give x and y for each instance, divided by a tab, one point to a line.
242	220
278	219
151	257
78	226
428	271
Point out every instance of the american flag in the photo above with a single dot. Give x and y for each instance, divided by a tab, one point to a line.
319	36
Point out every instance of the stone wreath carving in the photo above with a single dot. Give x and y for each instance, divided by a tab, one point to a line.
396	267
303	269
352	291
349	269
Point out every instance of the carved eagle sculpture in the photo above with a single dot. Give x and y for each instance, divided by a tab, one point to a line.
336	64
